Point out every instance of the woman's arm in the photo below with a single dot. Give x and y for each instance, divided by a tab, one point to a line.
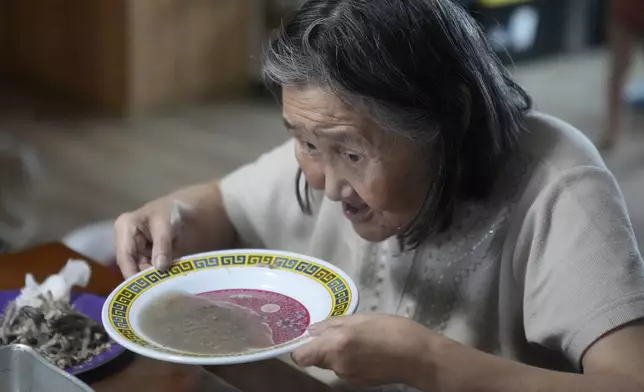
202	208
190	220
372	349
243	208
614	363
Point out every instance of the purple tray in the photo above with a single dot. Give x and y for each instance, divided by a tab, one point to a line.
85	303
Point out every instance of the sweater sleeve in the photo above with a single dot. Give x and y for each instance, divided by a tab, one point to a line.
261	203
584	275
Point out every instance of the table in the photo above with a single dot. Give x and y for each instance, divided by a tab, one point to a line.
132	372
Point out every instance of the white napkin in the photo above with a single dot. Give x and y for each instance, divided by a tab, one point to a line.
74	273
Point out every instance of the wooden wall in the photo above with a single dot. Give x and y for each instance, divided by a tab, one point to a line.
129	56
187	49
4	35
71	46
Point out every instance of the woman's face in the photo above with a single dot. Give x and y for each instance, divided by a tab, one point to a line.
380	179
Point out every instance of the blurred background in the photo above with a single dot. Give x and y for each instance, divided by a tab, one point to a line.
107	104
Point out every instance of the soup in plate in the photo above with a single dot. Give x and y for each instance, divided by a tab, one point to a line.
201	325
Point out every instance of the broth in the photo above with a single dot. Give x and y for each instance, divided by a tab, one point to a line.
199	325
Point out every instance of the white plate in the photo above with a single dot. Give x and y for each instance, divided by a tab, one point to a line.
291	291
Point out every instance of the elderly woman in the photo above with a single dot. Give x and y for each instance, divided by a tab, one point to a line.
491	245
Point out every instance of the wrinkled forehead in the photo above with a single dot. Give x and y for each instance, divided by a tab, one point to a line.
316	104
320	112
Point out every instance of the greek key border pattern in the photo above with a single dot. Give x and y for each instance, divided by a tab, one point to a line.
121	303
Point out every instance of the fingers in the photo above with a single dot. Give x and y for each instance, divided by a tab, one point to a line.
143	246
144	263
316	353
125	245
312	354
144	238
323	326
161	233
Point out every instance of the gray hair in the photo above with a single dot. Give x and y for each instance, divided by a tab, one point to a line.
422	69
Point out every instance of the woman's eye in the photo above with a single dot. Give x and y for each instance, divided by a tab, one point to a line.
354	158
310	147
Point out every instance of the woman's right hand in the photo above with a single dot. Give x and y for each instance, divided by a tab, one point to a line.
146	237
190	220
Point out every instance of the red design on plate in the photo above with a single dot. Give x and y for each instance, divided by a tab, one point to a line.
287	317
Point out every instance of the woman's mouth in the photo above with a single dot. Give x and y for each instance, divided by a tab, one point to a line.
356	213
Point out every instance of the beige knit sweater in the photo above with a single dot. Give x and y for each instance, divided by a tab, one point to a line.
536	273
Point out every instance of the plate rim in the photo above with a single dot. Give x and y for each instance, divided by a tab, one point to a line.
198	359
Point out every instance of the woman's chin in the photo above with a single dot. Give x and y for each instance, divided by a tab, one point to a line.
372	232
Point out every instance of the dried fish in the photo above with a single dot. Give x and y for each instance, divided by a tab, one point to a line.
62	335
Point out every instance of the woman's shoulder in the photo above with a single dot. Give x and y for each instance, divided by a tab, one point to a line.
552	157
557	145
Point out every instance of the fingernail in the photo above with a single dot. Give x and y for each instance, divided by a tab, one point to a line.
160	261
312	327
297	360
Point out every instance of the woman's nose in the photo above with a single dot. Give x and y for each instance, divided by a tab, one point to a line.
334	187
324	178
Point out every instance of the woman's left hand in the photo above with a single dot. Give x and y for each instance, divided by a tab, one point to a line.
370	349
